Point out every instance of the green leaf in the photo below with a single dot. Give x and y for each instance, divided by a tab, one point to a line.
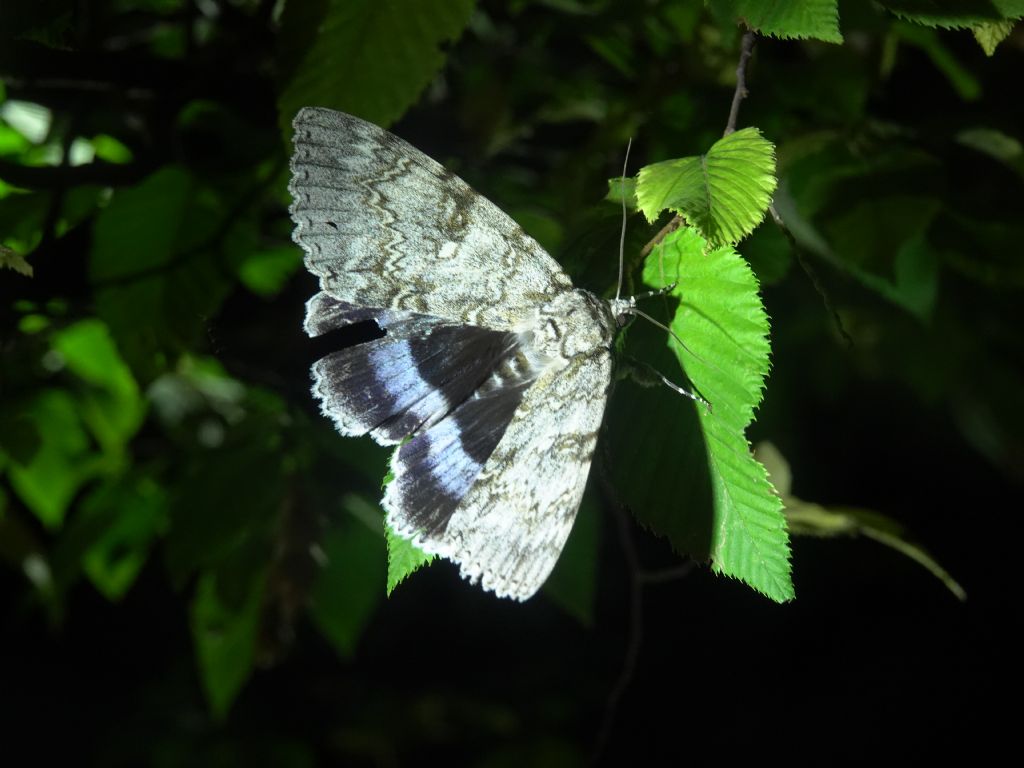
229	499
573	582
724	326
111	534
996	144
225	640
809	519
110	149
348	588
266	271
154	263
111	406
990	34
787	19
404	558
954	14
622	187
371	58
871	211
724	194
962	80
63	462
9	259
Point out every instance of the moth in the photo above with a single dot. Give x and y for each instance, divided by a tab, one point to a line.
493	371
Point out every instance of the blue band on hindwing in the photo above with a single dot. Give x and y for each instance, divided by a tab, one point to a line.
453	388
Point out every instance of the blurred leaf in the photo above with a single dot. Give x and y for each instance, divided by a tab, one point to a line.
996	144
809	519
349	586
12	142
769	253
21	220
954	14
63	462
573	582
19	434
114	560
154	265
111	406
622	187
110	536
265	272
959	77
225	640
110	149
871	209
616	50
229	498
817	19
19	544
723	194
380	54
11	260
725	329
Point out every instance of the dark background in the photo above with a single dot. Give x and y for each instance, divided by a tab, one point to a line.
917	418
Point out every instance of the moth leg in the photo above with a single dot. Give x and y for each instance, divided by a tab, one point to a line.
647	375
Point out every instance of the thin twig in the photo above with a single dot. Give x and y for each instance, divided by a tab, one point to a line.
805	265
664	232
636	610
746	48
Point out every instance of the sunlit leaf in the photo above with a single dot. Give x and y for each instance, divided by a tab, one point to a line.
404	558
724	326
724	194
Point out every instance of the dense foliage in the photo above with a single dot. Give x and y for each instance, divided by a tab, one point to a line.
174	509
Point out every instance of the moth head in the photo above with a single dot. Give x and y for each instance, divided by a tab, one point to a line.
622	310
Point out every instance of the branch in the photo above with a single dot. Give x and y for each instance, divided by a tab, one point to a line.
63	176
746	48
805	265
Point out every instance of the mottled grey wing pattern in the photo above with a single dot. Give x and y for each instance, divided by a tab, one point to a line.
492	373
385	226
510	526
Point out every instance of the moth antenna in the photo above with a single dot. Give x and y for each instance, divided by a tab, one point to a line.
659	292
695	397
622	235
